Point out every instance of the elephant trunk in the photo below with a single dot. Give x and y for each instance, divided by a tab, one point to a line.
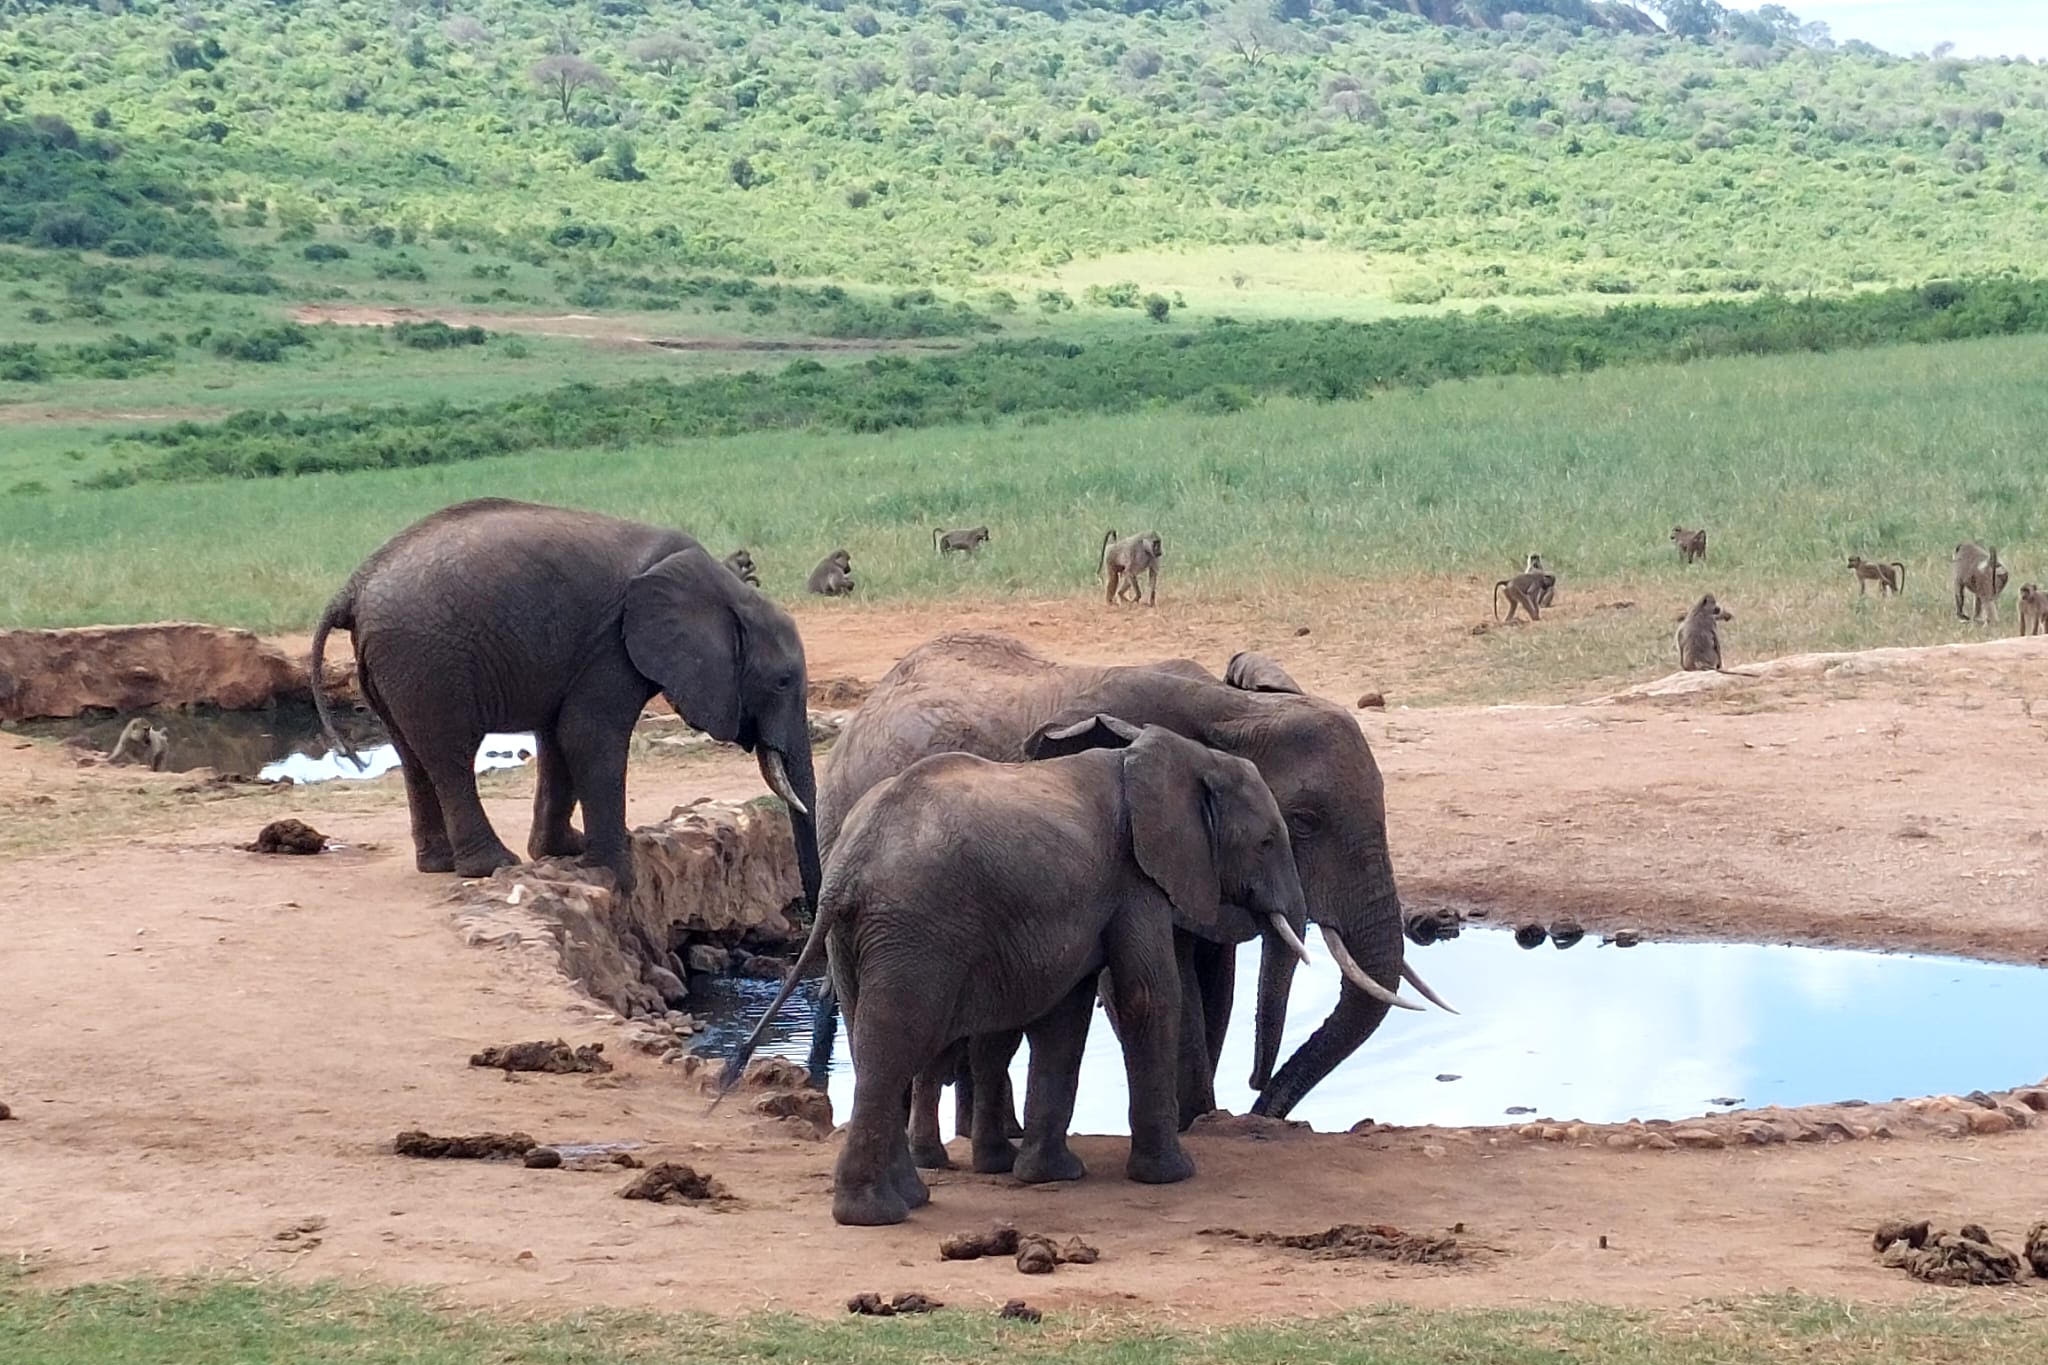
1370	928
1277	962
789	775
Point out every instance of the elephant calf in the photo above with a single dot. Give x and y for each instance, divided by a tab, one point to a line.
965	897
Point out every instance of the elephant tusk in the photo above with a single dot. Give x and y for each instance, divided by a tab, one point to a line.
778	780
1414	979
1355	974
1288	936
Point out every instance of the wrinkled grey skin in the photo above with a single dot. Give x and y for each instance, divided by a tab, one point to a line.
502	616
966	898
988	694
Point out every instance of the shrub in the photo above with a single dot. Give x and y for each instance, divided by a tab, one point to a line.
1158	307
435	335
324	251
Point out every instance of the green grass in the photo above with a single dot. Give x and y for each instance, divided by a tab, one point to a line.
1793	462
211	1322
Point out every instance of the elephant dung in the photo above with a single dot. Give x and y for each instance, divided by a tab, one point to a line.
875	1306
1016	1310
668	1181
1000	1240
556	1057
5	1113
477	1147
288	836
809	1110
1037	1256
1955	1259
2037	1246
1913	1234
1351	1241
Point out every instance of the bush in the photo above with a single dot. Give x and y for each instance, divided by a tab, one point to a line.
1158	307
263	346
435	335
324	251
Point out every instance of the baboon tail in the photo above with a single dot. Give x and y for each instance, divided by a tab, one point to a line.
1102	558
340	612
736	1065
1902	576
1496	598
936	533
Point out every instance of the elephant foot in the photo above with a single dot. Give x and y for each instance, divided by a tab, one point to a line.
1165	1167
484	862
994	1158
868	1206
1043	1165
440	859
567	844
620	866
931	1156
910	1188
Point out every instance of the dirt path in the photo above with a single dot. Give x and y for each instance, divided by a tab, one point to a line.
590	327
205	1046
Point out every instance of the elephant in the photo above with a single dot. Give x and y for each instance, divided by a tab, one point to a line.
495	615
966	897
989	694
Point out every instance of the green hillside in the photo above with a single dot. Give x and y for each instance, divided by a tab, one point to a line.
1495	154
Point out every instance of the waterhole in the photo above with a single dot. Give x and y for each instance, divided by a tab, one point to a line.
277	742
1594	1033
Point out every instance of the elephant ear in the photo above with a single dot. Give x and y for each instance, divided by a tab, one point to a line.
1173	826
1059	738
682	632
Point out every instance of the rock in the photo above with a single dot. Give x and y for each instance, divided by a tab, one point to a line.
1757	1133
1701	1139
5	1113
668	1181
2036	1100
1552	1132
1980	1099
1626	938
812	1107
1988	1121
1016	1310
55	673
2037	1249
543	1159
1660	1142
1625	1142
1531	936
1373	701
1300	631
1565	932
666	982
708	959
288	836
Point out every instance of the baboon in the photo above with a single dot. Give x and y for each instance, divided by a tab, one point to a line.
1251	672
1692	545
1977	570
742	565
833	577
966	542
141	742
2033	610
1699	637
1535	565
1890	578
1526	592
1124	560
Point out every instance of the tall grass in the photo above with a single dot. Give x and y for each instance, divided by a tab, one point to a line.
1793	462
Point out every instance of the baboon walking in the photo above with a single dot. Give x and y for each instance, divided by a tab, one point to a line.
1977	571
2033	610
1890	578
833	577
1692	545
1699	637
1534	564
1123	560
142	742
742	565
1526	592
966	542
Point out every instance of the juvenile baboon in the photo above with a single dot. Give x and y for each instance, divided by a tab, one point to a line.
966	542
1535	565
1251	672
1888	577
1699	637
1978	570
742	565
141	742
1692	545
1123	560
1526	592
2033	610
833	577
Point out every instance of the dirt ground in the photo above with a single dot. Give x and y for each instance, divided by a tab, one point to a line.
206	1047
589	327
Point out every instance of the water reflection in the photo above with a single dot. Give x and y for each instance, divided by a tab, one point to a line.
1602	1034
328	765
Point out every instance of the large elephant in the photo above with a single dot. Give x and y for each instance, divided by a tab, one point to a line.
965	898
988	694
494	615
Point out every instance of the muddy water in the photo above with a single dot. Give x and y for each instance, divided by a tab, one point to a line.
1600	1034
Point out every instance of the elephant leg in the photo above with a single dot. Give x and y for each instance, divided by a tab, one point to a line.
1208	973
988	1056
594	749
963	1093
824	1033
450	767
554	797
1057	1041
1144	966
431	851
873	1182
926	1148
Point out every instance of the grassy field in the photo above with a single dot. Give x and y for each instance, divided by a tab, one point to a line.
209	1322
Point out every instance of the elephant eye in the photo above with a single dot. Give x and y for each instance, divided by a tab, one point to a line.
785	682
1302	823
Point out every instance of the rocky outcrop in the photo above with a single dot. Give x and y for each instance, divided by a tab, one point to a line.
59	673
713	871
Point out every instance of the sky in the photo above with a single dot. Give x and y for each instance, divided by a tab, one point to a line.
1978	28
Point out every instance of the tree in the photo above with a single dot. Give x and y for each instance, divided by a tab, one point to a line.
1249	29
562	76
1691	18
662	51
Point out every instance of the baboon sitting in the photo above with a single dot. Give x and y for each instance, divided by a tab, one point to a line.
1525	592
1692	545
142	742
1978	571
966	542
742	565
1124	560
1890	578
833	577
1699	637
2033	610
1534	564
1251	672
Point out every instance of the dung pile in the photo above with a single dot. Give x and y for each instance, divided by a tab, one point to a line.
673	1182
556	1057
1964	1257
474	1147
1036	1253
1356	1242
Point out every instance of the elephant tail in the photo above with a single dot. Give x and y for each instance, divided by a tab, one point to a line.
340	612
814	945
